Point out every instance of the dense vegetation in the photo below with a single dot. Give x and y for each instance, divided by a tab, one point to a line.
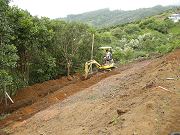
105	17
149	37
36	49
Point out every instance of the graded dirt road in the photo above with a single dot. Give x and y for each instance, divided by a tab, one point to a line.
142	98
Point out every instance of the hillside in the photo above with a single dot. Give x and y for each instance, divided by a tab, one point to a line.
105	17
42	67
149	37
36	49
139	98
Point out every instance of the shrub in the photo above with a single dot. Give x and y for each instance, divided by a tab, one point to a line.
140	54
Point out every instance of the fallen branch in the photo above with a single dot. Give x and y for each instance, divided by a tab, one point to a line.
170	78
165	89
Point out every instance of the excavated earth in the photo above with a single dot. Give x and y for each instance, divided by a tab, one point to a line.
141	98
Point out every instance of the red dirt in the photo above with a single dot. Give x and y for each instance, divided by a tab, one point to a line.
33	99
32	94
135	99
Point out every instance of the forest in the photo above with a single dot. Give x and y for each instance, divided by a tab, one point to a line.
34	50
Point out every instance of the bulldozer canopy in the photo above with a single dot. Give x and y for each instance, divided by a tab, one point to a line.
105	47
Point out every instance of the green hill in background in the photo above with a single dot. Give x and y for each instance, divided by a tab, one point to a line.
145	38
106	17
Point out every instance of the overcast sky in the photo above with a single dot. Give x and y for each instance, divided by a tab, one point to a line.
61	8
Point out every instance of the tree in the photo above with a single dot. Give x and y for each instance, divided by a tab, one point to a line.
8	51
22	24
132	29
118	32
69	38
42	60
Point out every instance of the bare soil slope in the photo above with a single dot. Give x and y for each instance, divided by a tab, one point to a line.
140	99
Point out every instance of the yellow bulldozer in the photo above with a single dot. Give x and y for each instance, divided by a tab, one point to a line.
107	65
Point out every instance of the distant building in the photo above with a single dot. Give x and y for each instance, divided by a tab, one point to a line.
175	17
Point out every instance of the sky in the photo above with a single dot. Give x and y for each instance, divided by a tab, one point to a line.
62	8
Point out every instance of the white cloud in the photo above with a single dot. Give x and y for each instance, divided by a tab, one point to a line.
61	8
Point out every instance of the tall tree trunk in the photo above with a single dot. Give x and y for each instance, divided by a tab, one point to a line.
23	64
27	66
